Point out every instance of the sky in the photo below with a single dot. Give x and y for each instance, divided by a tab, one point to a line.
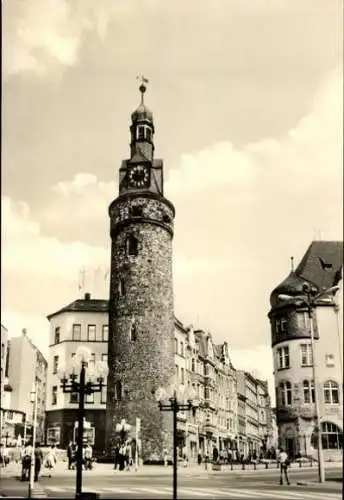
248	108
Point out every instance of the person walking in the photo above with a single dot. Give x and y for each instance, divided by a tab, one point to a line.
70	455
38	461
51	459
26	462
116	456
284	464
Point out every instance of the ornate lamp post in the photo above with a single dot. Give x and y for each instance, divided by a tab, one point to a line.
123	428
309	298
91	379
174	396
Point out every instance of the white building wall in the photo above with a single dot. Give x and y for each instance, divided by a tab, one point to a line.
67	347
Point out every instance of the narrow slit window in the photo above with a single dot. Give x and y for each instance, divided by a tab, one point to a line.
133	332
132	246
121	287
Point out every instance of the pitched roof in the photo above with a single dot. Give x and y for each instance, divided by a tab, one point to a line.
83	305
322	263
320	266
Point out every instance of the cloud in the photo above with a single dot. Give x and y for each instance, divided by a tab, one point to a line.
42	33
310	153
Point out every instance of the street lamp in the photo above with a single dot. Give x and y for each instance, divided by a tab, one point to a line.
309	298
123	428
33	399
91	379
173	396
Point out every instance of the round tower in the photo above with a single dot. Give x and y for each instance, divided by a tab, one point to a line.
141	310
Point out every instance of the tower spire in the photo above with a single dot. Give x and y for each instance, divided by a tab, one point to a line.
292	264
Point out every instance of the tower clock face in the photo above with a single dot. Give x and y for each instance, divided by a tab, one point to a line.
139	176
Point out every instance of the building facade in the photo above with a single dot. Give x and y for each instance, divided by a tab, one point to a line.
199	363
27	371
254	415
84	321
321	268
141	311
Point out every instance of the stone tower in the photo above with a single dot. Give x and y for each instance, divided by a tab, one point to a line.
141	312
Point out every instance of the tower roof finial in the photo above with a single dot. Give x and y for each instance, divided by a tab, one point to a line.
292	264
142	80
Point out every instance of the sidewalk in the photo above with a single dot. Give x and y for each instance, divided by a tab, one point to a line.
13	470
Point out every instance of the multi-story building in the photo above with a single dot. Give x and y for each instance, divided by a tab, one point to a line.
84	321
321	269
199	364
254	415
206	368
26	373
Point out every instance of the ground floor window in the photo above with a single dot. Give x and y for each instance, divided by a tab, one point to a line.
331	437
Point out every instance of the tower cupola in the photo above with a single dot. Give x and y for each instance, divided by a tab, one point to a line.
142	128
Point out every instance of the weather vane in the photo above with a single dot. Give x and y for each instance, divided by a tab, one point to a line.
142	80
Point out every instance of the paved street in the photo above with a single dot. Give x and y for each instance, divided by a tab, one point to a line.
238	485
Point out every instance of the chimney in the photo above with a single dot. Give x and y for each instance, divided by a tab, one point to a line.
87	296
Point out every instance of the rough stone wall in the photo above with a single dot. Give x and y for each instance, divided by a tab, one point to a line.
146	363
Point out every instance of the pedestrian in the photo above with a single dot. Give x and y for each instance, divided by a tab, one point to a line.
26	462
5	456
128	456
215	455
121	455
199	459
284	463
51	459
88	457
70	454
116	456
165	453
38	461
185	456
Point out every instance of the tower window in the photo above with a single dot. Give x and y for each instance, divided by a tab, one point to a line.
286	393
306	355
331	393
281	325
148	134
136	211
133	332
54	395
76	332
132	245
118	390
57	335
283	357
55	364
308	391
141	132
121	287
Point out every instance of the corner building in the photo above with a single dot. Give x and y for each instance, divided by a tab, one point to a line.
321	267
141	310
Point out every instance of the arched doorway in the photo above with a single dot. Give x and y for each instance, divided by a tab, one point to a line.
331	436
